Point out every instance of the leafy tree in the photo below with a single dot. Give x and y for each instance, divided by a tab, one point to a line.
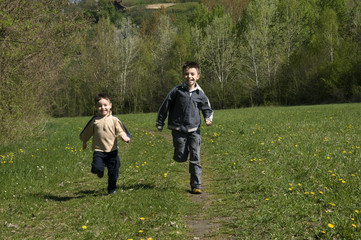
96	10
34	39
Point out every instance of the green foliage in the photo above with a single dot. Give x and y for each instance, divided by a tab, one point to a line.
285	52
101	9
34	39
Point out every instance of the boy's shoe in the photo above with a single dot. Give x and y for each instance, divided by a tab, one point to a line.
112	192
100	174
196	191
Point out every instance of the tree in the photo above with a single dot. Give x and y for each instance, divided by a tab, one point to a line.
34	39
216	51
162	40
127	42
260	48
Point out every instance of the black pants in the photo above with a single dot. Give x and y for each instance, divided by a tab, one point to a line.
112	162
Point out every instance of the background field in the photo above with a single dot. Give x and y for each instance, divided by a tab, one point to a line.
269	173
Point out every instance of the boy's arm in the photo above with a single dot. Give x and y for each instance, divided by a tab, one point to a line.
87	132
122	131
163	110
207	111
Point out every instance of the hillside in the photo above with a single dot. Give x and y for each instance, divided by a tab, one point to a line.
140	10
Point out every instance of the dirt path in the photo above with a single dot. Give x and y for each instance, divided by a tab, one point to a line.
159	5
199	224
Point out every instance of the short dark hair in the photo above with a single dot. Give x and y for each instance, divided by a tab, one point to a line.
100	96
190	64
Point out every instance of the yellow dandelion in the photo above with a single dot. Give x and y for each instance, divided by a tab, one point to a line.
312	193
354	225
330	225
142	218
352	219
323	232
321	192
332	204
140	231
267	199
290	189
306	193
84	227
356	211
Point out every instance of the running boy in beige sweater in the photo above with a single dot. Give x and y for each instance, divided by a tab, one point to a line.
105	128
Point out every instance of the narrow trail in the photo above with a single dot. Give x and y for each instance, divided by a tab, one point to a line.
199	223
159	5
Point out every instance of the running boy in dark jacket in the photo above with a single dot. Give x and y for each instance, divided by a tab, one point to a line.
105	129
184	103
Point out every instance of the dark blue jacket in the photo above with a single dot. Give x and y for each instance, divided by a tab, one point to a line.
184	109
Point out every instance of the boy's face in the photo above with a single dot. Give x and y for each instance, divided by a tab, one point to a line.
103	106
191	75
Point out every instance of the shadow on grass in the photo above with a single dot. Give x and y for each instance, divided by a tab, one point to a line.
94	193
77	195
136	186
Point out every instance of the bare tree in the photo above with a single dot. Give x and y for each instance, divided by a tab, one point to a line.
217	54
127	44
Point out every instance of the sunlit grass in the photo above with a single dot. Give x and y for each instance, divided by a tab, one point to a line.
288	172
272	173
49	192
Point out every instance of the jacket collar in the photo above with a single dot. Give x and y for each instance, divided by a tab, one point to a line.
109	114
197	87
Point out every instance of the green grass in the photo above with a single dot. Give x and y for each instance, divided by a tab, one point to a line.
284	173
48	191
271	173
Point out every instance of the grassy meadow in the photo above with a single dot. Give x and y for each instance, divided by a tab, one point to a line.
268	173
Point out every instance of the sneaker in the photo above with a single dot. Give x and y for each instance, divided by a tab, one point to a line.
100	174
112	192
196	191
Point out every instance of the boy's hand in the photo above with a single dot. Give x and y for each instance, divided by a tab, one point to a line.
208	123
84	146
126	139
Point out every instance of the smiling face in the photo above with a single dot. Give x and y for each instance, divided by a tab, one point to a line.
191	75
103	107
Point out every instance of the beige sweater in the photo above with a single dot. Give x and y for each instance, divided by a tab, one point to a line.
104	131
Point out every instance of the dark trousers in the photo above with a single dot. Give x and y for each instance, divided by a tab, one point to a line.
112	162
